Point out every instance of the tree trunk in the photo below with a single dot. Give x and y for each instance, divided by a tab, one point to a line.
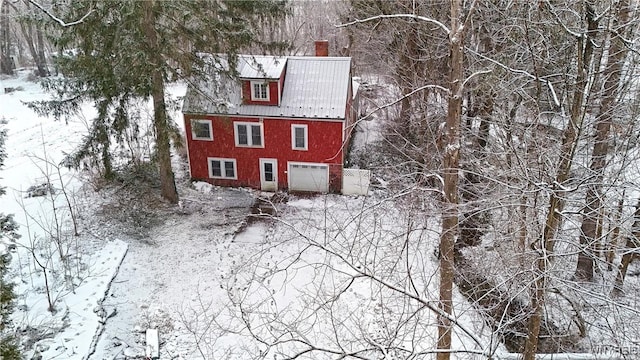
27	32
36	52
163	146
104	139
406	74
40	59
633	243
451	162
557	199
594	195
613	240
6	61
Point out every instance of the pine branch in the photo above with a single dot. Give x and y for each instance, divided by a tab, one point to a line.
57	19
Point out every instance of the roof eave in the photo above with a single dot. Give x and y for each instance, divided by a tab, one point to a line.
309	118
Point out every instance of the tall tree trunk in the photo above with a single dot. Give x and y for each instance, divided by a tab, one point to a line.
613	239
633	243
451	161
593	198
6	61
406	74
484	95
104	139
160	123
36	46
27	32
40	59
556	199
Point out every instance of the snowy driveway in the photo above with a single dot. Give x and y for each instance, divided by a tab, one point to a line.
164	273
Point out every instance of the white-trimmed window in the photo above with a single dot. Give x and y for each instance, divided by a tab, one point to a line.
299	137
259	91
201	129
248	134
220	168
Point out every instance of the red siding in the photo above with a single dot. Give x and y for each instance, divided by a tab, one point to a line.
324	146
273	93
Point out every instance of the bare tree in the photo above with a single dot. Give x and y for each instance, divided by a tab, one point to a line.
32	35
535	111
451	164
346	278
613	74
630	248
6	42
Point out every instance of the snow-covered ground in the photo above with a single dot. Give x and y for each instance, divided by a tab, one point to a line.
175	267
35	146
179	274
342	273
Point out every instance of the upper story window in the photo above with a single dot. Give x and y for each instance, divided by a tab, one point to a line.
299	137
201	129
259	91
248	134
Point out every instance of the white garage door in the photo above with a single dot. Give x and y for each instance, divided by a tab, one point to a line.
308	177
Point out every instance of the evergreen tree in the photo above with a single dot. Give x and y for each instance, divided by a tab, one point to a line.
126	50
8	232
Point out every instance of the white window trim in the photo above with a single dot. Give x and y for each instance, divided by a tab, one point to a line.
222	161
293	137
249	134
193	133
253	92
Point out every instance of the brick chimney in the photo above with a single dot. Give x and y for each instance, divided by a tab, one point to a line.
322	47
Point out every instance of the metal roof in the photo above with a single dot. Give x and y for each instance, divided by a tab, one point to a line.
314	87
260	67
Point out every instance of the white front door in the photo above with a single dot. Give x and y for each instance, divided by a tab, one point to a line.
269	174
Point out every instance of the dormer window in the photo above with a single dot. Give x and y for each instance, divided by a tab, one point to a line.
259	91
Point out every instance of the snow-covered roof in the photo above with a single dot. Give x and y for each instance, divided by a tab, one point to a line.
314	87
260	67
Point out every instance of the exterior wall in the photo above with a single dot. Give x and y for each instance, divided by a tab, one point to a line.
350	121
324	146
274	96
281	83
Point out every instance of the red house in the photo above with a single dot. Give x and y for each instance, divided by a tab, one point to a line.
282	123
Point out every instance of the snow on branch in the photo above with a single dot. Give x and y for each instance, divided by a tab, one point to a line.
560	22
359	270
556	100
482	72
467	20
396	16
382	107
57	19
